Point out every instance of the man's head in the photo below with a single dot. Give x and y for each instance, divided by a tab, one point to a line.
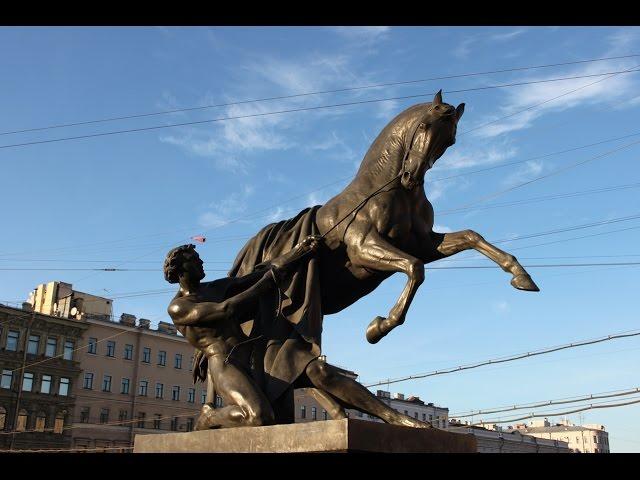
183	261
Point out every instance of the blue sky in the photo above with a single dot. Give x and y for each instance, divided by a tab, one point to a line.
130	197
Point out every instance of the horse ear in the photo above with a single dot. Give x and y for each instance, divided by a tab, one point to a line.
437	100
460	110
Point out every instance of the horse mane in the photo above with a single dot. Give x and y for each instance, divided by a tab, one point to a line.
389	147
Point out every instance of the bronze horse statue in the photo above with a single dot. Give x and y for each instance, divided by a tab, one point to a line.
392	230
380	224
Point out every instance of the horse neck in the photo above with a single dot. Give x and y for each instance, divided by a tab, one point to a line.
382	163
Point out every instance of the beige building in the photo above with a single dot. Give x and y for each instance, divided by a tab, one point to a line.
590	438
509	440
133	380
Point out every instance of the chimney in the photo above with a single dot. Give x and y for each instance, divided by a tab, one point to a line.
128	319
398	396
167	328
144	323
27	307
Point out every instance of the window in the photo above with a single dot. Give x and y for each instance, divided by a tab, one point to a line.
415	414
175	393
203	396
191	363
63	388
424	417
430	417
314	413
12	340
104	415
162	358
159	390
174	424
40	422
124	387
34	344
406	412
177	361
595	439
7	377
3	418
128	352
143	388
27	382
106	383
22	421
68	350
218	401
141	418
84	415
156	421
52	346
191	395
324	413
303	411
146	355
111	348
189	424
123	416
58	425
93	346
45	384
88	381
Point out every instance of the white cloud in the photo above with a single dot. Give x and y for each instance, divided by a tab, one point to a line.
465	158
530	102
526	172
364	35
221	211
441	229
501	306
502	37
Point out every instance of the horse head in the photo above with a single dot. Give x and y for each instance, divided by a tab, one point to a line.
427	137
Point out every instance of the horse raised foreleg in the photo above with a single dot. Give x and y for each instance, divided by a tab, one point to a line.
452	243
378	254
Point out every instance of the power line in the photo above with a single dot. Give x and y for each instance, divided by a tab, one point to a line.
569	412
321	92
507	359
546	403
319	107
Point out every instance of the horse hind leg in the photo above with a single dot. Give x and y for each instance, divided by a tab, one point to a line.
455	242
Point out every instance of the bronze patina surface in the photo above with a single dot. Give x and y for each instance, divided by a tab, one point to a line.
258	332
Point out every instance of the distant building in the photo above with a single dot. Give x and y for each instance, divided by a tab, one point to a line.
134	380
40	368
590	438
509	440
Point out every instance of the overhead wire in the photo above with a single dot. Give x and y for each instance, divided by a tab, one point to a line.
321	92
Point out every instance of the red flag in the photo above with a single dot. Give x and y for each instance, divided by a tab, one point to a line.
199	238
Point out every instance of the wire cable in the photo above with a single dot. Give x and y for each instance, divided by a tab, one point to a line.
321	92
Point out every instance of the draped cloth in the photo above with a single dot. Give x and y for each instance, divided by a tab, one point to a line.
290	325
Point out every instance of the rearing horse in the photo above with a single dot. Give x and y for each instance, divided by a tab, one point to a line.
373	232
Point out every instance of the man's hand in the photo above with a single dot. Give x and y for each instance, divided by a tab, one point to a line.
309	244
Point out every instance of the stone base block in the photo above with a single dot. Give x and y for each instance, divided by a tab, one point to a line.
331	436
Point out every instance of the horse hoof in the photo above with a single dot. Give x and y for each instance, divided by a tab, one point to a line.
374	333
524	282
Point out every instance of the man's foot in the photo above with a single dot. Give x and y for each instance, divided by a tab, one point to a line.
407	421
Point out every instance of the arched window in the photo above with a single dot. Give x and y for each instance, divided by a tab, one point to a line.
41	419
22	421
58	426
3	418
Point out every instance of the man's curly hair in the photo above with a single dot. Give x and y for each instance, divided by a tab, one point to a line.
173	262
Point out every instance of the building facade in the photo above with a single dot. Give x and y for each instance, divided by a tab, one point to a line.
590	438
509	441
40	368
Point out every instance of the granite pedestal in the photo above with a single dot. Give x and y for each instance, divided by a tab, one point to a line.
331	436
